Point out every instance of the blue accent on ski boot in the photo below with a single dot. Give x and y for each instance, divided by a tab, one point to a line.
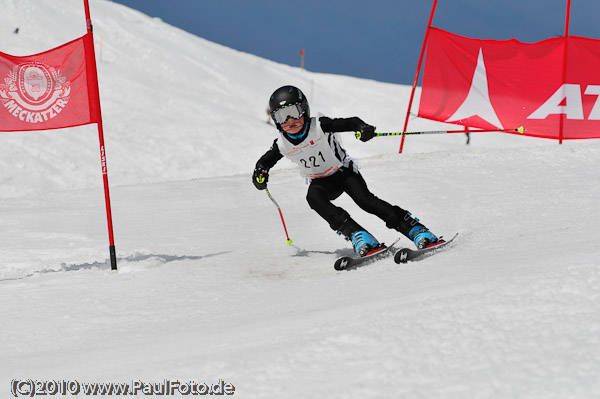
422	237
363	242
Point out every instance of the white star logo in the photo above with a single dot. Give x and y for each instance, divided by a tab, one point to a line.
478	101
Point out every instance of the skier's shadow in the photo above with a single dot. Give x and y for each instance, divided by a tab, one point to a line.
300	252
160	258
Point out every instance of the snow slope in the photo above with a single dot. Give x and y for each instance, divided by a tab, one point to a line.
207	288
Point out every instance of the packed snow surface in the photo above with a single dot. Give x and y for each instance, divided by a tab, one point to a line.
207	288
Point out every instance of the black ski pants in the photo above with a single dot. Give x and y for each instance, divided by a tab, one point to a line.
324	190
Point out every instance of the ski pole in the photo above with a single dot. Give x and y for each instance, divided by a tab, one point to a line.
288	239
520	129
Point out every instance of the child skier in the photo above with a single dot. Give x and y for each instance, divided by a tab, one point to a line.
311	144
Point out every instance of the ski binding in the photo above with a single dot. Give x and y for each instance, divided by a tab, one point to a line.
406	254
352	262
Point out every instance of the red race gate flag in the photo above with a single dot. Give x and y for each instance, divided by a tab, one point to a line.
493	84
50	90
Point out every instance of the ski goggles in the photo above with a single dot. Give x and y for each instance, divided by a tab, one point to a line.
280	115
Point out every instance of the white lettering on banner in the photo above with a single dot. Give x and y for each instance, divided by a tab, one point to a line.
34	92
573	108
594	90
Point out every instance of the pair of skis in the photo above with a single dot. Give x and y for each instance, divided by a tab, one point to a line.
401	255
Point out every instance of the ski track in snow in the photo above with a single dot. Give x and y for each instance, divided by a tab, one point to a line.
207	289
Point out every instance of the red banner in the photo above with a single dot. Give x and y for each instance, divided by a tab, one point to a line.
492	84
50	90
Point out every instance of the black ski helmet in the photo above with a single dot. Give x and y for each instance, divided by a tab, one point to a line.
286	96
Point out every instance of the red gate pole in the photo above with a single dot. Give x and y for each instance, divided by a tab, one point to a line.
414	86
562	116
91	62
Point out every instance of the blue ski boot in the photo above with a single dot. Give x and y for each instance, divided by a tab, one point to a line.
364	243
422	237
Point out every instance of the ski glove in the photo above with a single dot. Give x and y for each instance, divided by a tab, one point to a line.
367	132
260	177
